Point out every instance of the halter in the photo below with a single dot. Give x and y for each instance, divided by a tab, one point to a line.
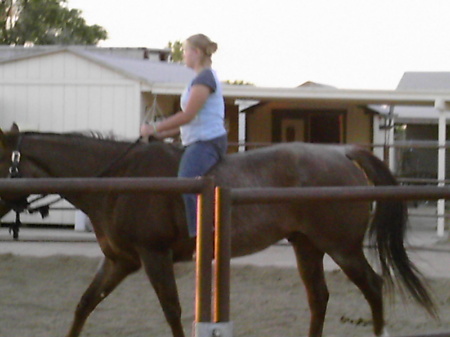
21	204
15	162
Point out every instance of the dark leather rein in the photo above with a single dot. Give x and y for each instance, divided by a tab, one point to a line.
22	204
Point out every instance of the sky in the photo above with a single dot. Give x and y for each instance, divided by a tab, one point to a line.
349	44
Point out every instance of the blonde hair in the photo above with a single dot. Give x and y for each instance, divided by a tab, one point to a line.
204	44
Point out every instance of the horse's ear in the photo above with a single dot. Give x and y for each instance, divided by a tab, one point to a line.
14	128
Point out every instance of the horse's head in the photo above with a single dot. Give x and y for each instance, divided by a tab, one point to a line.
8	143
15	157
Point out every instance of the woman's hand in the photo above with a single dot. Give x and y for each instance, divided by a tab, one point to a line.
147	130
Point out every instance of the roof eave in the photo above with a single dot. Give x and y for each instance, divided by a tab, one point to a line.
357	97
34	55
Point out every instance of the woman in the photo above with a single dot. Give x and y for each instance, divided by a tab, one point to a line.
200	121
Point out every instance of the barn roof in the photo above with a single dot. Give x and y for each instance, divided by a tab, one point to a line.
425	81
147	71
10	52
143	70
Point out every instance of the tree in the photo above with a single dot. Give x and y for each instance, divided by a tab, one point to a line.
238	82
45	22
177	51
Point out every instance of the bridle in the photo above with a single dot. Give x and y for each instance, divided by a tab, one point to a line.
15	162
22	204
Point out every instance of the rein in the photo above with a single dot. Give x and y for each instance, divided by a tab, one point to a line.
118	159
22	204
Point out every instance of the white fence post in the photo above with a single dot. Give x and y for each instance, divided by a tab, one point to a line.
444	109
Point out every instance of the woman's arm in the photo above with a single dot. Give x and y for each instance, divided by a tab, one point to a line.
198	96
169	133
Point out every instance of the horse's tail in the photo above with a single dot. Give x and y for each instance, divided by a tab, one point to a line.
387	232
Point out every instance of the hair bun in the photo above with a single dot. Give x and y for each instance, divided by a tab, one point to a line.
204	43
211	48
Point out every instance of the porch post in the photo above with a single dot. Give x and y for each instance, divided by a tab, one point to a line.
444	108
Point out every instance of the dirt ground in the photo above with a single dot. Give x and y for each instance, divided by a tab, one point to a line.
38	297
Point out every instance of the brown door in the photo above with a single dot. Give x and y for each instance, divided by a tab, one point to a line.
308	126
325	129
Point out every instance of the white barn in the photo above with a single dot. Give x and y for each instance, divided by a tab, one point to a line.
79	89
72	89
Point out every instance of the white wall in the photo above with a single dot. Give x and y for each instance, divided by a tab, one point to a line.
64	92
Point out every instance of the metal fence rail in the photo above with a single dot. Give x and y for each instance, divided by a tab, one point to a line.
297	194
100	185
440	334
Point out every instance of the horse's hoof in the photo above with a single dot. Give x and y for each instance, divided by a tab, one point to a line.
384	334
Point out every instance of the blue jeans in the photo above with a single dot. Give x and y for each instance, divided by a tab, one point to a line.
197	160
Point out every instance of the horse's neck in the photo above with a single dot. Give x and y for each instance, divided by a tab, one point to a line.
65	156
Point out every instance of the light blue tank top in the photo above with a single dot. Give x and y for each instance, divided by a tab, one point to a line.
209	121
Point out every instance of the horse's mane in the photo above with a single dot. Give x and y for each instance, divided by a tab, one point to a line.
90	134
109	137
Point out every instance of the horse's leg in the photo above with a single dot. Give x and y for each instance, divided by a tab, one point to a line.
310	266
108	276
355	266
159	268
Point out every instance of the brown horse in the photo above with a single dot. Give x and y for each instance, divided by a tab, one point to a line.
4	209
143	230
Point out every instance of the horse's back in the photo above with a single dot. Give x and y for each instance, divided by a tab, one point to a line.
289	164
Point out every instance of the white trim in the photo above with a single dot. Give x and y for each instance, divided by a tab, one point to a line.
363	97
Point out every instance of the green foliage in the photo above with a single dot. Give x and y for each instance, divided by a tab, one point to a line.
42	22
238	82
177	51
